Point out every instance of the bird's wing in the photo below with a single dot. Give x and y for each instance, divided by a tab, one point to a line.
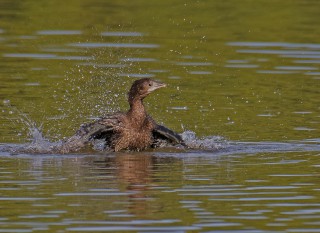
99	129
163	133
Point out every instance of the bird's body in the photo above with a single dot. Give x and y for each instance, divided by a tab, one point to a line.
128	133
131	130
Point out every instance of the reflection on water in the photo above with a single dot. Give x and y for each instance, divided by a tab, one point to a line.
157	192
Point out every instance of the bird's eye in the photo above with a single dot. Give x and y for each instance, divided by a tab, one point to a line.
150	84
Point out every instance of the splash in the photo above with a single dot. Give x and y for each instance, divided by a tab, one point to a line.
218	145
39	144
98	82
212	143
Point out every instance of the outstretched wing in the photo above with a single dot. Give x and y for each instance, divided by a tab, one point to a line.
161	132
100	129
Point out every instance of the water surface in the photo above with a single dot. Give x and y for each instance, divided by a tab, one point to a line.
243	76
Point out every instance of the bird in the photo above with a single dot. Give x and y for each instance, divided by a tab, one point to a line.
131	130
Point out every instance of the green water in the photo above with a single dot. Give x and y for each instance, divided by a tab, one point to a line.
247	71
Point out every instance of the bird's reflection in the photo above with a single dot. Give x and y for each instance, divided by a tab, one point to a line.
134	174
134	169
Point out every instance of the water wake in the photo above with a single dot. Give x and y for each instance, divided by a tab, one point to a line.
39	144
218	145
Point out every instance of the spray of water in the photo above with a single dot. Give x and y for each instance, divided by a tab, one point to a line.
211	143
40	144
31	131
90	90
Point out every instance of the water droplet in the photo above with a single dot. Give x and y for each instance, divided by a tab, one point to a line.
6	102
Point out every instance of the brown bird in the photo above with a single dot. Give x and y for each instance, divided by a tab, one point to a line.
131	130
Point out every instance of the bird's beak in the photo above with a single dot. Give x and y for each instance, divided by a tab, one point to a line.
156	85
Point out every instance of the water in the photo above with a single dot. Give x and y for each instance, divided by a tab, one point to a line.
157	191
243	89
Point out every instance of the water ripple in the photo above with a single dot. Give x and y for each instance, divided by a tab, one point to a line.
133	228
30	55
295	68
114	45
194	63
134	34
241	66
94	194
138	59
280	52
275	44
59	32
307	61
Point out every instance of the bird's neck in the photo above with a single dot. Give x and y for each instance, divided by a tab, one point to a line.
137	112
